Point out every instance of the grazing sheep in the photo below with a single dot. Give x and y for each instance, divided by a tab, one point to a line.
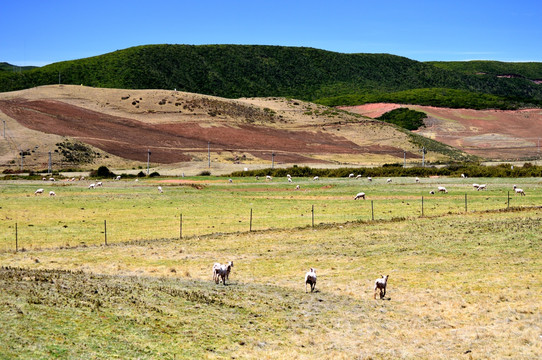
519	191
358	177
369	178
268	177
417	179
51	179
351	175
475	186
92	186
230	180
315	178
39	191
99	183
160	189
482	187
432	192
360	195
216	269
463	176
388	181
52	193
380	284
442	189
117	178
310	278
289	179
136	180
297	187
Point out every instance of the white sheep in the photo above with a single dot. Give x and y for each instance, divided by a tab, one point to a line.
380	284
99	183
52	179
290	180
519	191
117	178
288	176
351	175
92	186
358	177
417	179
475	186
52	193
310	278
369	178
388	181
160	189
482	187
230	180
442	189
297	187
360	195
39	191
432	192
315	178
268	177
463	176
222	272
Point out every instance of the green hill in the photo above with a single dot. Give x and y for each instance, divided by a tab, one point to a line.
4	66
526	70
234	71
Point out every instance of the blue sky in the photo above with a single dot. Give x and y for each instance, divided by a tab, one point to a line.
42	32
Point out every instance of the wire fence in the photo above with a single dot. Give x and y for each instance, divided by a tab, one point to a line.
128	225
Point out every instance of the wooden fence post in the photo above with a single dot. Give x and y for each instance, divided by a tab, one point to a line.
250	228
16	239
508	207
372	211
465	202
105	231
312	215
181	227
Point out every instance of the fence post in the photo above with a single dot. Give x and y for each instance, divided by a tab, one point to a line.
250	229
312	215
105	231
372	211
465	202
508	207
181	227
16	239
422	205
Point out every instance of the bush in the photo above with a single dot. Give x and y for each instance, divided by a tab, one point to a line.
205	173
102	172
405	118
141	174
154	174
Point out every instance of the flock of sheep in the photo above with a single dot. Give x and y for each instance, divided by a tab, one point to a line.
222	272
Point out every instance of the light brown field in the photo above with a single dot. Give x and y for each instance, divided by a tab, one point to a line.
178	128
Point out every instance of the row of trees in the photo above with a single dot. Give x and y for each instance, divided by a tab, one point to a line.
246	71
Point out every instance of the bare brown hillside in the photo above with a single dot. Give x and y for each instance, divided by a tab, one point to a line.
492	134
179	127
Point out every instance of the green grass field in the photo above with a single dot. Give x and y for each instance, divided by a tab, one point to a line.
462	285
137	211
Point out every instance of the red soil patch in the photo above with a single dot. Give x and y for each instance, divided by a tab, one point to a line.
371	110
493	134
171	143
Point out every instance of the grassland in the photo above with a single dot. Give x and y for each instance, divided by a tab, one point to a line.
462	285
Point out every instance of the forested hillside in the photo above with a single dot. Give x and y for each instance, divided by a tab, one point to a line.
234	71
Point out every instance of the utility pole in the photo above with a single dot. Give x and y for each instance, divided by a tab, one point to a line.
50	164
423	156
404	158
272	159
148	160
209	153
